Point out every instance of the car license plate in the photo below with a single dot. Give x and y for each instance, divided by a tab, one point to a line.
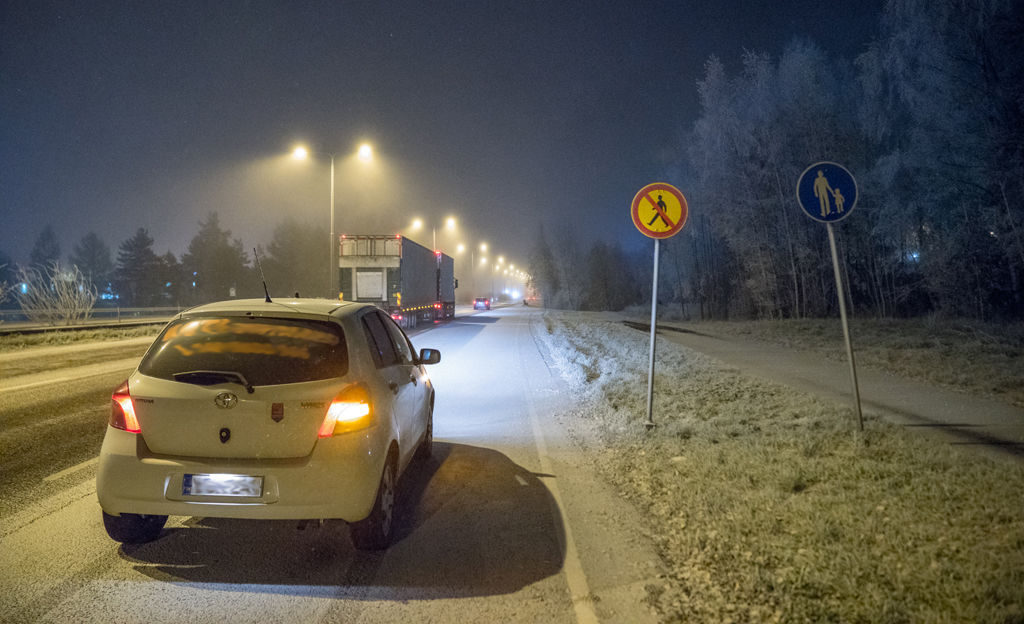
221	485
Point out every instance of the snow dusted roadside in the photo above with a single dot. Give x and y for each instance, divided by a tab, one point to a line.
766	506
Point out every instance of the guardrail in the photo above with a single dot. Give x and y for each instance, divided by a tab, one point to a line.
15	321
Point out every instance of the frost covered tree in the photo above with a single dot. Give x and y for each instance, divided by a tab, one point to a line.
930	119
55	294
544	274
610	281
944	108
756	133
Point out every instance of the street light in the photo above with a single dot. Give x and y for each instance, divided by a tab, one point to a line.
449	224
365	154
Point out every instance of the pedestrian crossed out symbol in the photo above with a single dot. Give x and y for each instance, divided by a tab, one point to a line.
659	210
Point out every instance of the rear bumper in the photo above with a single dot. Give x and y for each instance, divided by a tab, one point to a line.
339	479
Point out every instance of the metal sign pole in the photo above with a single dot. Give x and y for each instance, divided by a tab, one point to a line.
654	325
658	211
846	325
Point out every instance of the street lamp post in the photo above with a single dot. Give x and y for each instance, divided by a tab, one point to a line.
365	154
332	262
483	249
449	224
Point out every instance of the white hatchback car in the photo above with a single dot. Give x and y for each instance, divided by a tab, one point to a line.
293	409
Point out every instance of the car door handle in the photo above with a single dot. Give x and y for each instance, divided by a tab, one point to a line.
394	386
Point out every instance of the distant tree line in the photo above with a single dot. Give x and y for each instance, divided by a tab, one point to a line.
930	119
214	267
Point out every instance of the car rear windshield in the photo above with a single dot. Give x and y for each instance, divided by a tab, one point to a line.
265	351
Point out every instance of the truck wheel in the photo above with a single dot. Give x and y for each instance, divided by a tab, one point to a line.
133	528
374	532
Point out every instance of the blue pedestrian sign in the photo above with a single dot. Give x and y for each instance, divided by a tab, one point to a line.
827	192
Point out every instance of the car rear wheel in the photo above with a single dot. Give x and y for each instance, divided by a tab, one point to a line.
133	528
374	532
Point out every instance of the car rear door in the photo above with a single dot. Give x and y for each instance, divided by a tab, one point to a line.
409	367
395	374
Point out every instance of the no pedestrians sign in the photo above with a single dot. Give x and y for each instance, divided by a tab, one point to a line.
659	210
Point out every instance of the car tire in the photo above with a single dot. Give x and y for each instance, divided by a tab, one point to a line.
133	528
375	531
426	447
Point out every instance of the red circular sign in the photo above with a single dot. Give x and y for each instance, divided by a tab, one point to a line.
659	210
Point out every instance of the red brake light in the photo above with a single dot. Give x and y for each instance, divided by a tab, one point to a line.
122	410
349	411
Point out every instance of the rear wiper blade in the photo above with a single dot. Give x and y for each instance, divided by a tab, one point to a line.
211	377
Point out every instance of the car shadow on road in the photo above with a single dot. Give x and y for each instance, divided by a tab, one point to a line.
471	523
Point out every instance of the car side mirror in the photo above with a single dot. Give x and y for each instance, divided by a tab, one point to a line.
430	356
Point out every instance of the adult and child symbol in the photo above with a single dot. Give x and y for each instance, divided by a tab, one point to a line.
823	190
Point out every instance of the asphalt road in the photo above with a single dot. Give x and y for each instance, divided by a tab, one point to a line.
506	523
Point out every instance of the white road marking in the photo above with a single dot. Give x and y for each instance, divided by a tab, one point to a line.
579	589
35	384
76	374
72	469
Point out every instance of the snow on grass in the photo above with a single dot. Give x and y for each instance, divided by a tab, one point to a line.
17	342
766	505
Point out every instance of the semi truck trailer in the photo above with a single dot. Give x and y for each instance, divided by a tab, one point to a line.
412	283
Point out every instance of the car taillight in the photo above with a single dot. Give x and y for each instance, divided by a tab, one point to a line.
349	411
122	410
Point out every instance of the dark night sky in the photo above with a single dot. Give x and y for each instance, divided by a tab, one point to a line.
115	116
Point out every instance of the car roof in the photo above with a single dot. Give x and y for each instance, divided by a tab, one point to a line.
260	307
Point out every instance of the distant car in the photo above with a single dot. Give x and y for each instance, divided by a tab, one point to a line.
481	303
297	409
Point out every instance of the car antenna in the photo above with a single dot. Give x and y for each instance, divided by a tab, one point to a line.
262	276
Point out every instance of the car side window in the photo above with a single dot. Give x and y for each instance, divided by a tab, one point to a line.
381	347
402	346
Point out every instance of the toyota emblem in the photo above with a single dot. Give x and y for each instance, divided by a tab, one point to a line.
226	400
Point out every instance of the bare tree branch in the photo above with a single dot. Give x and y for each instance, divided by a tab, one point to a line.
56	294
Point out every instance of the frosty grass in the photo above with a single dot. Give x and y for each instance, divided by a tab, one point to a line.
767	505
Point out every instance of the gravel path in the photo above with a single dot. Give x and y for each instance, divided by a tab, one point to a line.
963	418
